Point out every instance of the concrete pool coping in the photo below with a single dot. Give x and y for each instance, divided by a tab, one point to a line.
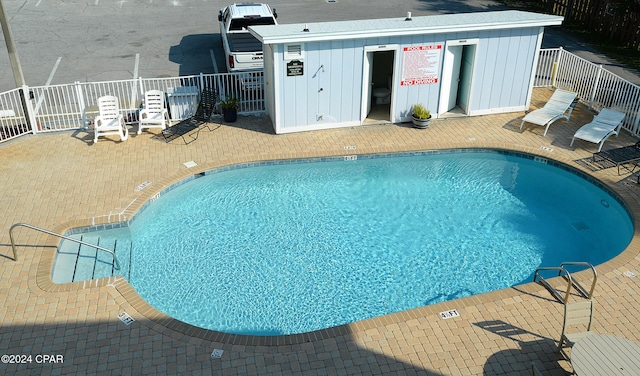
415	341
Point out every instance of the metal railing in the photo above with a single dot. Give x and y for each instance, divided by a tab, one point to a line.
571	282
13	244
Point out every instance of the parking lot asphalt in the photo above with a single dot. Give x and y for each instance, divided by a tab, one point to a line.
60	42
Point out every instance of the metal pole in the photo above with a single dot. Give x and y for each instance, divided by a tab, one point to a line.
13	54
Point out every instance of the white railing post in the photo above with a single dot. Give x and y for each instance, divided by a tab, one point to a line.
29	114
81	104
556	67
201	81
592	97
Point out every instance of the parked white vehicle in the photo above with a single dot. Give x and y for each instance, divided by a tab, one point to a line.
243	52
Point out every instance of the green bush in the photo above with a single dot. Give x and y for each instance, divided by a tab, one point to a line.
229	104
419	112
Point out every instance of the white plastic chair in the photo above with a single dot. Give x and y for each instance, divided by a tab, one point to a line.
110	121
553	110
154	114
606	124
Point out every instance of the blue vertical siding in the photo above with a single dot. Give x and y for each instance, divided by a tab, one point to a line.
501	77
504	64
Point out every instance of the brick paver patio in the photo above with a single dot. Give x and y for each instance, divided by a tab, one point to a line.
61	180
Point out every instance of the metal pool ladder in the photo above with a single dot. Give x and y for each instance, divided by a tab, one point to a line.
571	282
13	244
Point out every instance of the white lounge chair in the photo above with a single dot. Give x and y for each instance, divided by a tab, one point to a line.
154	114
554	109
110	121
606	124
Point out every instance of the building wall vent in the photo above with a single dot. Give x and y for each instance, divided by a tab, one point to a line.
293	52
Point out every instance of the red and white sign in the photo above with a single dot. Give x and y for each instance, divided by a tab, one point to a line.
421	64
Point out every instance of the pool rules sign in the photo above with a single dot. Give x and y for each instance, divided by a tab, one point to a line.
421	64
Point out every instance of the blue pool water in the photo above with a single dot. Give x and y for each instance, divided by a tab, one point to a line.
292	248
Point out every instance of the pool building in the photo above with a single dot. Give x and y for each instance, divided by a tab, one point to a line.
347	73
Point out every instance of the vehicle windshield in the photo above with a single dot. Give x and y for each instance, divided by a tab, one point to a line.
243	23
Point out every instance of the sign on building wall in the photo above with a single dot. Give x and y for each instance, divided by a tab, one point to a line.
421	64
295	68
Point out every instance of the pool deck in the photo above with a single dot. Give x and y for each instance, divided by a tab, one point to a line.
61	180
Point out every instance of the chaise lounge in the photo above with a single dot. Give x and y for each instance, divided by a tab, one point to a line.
553	110
606	124
208	100
620	157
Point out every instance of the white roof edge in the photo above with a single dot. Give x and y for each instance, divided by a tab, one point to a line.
332	30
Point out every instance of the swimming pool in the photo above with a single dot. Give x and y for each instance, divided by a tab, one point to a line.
295	247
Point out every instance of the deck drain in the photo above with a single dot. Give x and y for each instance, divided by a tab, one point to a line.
449	314
125	318
216	353
190	164
629	274
580	226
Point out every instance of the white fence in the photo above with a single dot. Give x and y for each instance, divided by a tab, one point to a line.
12	117
72	106
596	87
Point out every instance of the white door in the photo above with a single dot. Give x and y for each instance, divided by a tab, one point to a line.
450	78
457	75
367	74
367	78
466	69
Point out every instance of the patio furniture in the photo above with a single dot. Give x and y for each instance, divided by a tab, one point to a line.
154	114
575	314
620	157
553	110
208	100
109	121
606	124
605	354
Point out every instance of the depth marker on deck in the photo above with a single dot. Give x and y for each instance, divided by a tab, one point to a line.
142	186
449	314
125	318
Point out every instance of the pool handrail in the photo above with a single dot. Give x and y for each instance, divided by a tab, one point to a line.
577	284
564	273
13	244
552	289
